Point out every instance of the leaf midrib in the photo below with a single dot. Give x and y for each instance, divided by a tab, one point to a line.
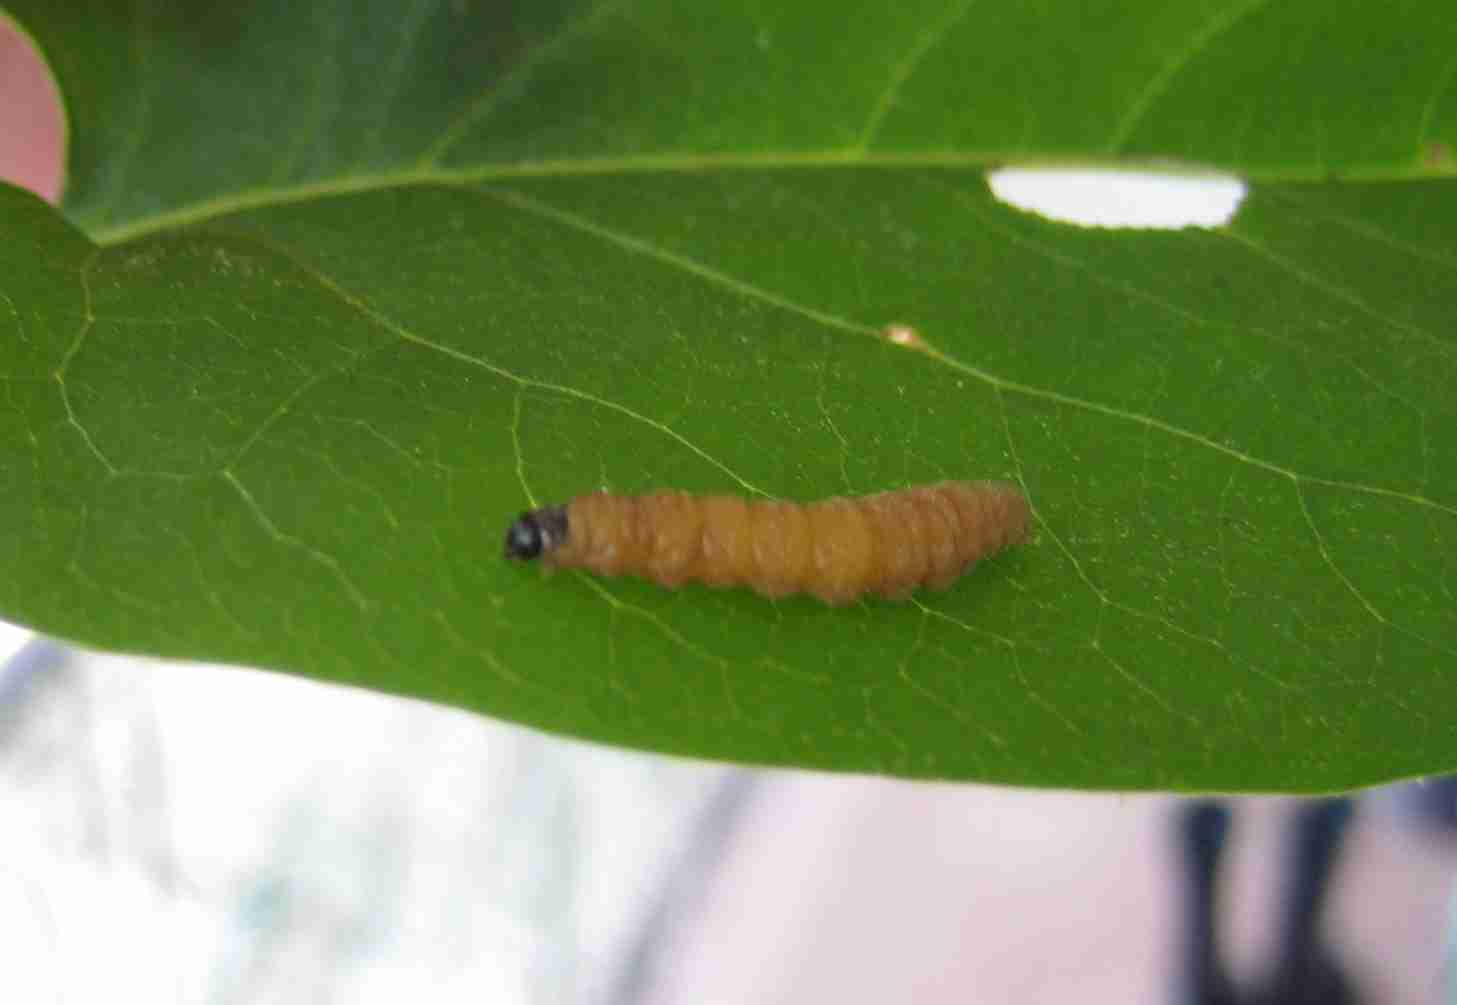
848	157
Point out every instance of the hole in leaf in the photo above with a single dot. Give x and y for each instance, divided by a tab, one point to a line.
1105	197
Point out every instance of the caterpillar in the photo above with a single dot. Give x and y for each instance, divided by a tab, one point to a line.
837	549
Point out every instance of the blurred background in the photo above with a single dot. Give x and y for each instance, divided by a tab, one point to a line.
184	833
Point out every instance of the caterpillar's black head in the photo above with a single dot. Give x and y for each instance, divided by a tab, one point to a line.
536	533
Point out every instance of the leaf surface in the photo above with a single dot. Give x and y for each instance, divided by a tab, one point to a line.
335	301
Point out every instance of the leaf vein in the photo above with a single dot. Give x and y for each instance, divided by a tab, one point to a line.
506	87
356	596
1157	84
932	36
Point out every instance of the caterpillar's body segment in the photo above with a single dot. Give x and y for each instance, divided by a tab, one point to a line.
838	549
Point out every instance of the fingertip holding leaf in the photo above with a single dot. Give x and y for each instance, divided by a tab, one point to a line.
32	119
1104	197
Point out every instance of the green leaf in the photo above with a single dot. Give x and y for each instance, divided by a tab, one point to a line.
346	296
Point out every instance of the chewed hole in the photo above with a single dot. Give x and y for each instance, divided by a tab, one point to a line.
1105	197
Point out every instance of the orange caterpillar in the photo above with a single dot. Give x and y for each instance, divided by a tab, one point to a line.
837	549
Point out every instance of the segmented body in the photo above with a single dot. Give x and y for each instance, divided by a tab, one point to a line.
837	549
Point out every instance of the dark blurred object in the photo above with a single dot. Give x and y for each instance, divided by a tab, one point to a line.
1203	826
1305	970
34	666
1430	803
